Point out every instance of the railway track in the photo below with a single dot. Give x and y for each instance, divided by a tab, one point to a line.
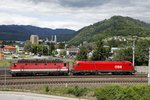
74	81
8	77
70	80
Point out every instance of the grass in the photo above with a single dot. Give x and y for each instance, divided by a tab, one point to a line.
109	92
70	91
133	92
5	63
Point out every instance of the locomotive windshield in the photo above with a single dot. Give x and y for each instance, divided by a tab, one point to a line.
65	64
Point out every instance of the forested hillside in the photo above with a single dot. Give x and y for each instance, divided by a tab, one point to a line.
115	26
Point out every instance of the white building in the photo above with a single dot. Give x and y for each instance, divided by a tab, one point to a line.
52	40
114	49
34	39
72	52
60	52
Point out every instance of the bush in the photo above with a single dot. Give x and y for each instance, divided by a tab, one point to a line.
46	89
129	93
108	93
142	91
77	91
139	92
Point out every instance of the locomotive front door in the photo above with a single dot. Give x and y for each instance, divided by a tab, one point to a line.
22	68
58	68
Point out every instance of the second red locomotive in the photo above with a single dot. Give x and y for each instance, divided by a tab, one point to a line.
96	67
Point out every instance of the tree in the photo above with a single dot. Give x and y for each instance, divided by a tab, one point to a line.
45	50
141	52
51	48
63	53
100	52
28	46
124	54
61	45
82	55
35	49
40	49
54	52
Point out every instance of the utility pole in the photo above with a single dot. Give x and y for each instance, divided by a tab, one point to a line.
37	50
5	76
48	49
133	48
42	50
133	55
149	68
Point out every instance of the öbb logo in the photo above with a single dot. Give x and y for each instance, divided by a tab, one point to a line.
118	67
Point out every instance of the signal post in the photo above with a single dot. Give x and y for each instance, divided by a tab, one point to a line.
149	68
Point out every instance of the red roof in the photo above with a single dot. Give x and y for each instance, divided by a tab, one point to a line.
9	47
72	49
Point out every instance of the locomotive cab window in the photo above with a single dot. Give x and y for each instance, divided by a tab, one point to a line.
65	64
78	64
14	65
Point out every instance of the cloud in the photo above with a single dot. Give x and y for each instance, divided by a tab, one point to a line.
73	14
82	3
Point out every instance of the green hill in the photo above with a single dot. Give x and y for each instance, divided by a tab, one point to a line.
115	26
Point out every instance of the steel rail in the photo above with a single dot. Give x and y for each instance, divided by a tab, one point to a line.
88	76
79	81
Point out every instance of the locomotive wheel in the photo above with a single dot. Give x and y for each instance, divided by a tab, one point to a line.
115	73
14	75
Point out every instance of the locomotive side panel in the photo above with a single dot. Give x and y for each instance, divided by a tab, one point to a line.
124	67
114	66
81	67
39	68
84	65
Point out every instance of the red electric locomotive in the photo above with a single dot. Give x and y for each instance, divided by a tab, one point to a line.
96	67
57	67
39	66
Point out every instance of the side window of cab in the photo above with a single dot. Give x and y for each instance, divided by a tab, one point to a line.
77	64
14	65
130	65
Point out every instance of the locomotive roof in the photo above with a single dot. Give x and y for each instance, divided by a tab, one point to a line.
39	60
82	61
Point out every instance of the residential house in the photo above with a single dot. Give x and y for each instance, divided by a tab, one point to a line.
72	52
1	56
60	52
7	49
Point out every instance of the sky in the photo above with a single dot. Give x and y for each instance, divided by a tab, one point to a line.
71	14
